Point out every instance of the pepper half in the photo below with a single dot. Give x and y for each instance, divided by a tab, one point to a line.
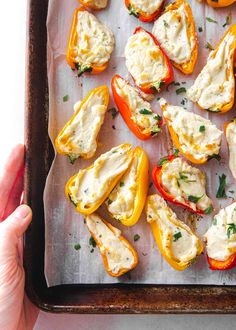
94	4
187	178
170	233
142	15
230	134
151	121
187	66
214	88
154	86
89	113
91	186
220	3
126	201
118	255
72	54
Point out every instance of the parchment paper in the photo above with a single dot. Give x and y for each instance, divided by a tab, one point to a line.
64	227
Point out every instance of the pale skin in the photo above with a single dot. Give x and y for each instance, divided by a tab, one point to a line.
16	311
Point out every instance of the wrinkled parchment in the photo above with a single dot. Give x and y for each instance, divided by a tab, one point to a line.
64	227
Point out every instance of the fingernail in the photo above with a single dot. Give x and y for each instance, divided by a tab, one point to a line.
22	211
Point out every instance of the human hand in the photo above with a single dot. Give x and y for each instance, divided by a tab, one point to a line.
16	311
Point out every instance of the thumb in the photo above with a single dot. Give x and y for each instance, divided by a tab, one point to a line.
18	221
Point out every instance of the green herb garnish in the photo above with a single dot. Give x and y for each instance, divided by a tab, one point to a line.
109	201
158	86
163	160
155	130
184	177
166	24
227	21
77	246
177	236
136	237
73	158
180	90
122	184
209	46
211	20
208	210
202	129
176	152
157	117
92	242
65	98
231	229
214	221
194	199
145	112
221	190
133	11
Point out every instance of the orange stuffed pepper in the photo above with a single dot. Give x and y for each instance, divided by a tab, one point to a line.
94	4
145	11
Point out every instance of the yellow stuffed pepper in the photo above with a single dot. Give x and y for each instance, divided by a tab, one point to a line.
90	43
175	31
195	137
118	255
176	241
126	202
214	88
91	186
78	138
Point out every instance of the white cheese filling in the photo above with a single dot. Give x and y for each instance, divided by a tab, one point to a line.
181	180
231	139
144	59
177	238
80	136
121	201
147	122
170	29
215	84
95	41
146	6
96	3
197	135
91	184
221	236
116	251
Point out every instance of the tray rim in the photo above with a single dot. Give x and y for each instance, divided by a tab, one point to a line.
88	299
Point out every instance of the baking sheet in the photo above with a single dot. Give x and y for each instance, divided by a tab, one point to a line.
64	228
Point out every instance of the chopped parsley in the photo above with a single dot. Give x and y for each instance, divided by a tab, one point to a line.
163	160
214	222
227	20
122	184
113	112
209	46
208	210
77	246
145	112
211	20
180	90
65	98
177	236
155	130
176	152
136	237
133	11
157	117
158	86
184	177
231	229
92	242
221	190
202	129
73	158
200	29
109	201
194	199
166	24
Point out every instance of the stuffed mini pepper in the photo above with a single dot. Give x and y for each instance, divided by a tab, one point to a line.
221	239
126	202
214	88
118	255
182	184
195	137
176	241
220	3
136	112
94	4
78	138
91	186
90	43
175	31
230	133
147	63
145	10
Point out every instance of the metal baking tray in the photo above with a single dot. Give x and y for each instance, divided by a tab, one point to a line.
91	299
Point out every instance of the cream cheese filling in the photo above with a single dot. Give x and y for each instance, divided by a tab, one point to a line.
80	136
146	6
116	251
91	184
181	180
97	3
144	59
231	140
147	122
178	240
197	135
221	236
170	29
95	41
214	85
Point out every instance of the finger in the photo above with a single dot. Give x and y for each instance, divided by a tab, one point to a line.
12	170
17	223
